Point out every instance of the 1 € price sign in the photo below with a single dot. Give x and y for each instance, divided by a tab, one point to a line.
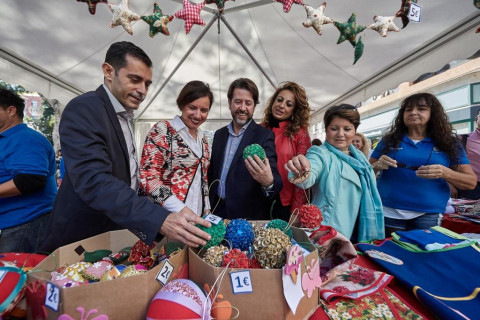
213	218
241	282
53	296
165	273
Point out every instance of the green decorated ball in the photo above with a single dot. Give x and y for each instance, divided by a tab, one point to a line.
254	149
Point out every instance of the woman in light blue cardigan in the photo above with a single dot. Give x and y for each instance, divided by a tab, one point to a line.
341	178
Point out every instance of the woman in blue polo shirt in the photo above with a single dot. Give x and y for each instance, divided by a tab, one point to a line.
418	157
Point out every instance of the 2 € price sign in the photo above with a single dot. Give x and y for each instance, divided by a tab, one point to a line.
165	273
53	296
241	282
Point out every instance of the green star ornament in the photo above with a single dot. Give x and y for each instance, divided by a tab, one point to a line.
358	50
220	4
157	21
349	30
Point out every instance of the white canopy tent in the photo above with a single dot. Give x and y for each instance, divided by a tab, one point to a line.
57	47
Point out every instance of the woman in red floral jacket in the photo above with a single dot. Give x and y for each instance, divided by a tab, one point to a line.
176	156
288	114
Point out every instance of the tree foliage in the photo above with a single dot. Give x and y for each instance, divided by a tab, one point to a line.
45	123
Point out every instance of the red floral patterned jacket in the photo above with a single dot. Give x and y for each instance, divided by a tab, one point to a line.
168	165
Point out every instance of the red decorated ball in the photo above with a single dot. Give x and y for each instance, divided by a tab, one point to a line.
310	216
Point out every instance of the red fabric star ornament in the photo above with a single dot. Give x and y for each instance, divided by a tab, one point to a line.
191	14
122	15
287	4
92	4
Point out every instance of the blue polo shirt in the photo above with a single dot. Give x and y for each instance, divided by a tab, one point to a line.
24	150
400	188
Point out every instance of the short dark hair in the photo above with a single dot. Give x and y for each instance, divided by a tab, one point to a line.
118	51
246	84
192	91
345	111
9	98
316	142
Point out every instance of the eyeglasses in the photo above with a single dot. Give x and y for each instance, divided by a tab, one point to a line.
342	107
413	168
404	166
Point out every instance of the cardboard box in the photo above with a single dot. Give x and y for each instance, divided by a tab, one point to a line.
266	301
123	298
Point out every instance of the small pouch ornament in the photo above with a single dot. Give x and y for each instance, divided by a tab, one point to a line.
133	270
73	271
96	270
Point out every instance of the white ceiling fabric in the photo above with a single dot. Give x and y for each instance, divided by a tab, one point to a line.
65	40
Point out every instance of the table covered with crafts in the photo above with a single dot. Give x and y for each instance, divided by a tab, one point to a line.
257	270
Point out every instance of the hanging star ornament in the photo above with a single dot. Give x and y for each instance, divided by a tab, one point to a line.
92	4
404	10
287	4
349	30
316	17
191	14
123	16
220	4
157	21
358	52
383	24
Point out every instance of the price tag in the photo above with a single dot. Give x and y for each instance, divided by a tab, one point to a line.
53	297
165	273
213	218
415	12
241	282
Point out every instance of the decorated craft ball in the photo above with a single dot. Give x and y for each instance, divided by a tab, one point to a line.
214	255
254	149
310	216
180	299
253	263
236	258
282	226
270	248
12	289
217	231
240	234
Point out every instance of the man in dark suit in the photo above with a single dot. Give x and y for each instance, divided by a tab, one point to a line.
99	190
243	188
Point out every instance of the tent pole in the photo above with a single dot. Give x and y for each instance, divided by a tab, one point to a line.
247	51
205	30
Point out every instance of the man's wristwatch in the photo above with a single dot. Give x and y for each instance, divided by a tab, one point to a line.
268	189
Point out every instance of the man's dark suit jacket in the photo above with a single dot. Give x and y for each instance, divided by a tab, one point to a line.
244	197
95	194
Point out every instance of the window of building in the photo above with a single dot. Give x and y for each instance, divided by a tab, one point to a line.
475	93
456	98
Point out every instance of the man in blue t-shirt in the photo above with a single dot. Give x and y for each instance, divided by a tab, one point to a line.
27	179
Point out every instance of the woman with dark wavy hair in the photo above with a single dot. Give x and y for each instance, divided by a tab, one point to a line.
288	114
417	158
